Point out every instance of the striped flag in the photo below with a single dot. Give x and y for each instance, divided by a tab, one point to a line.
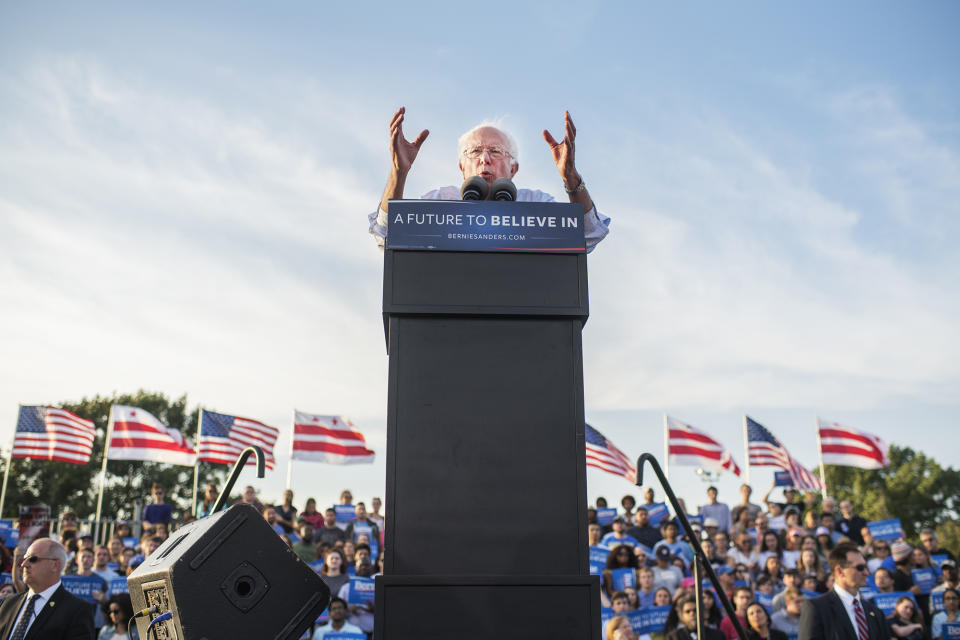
848	447
602	455
49	433
223	437
766	451
330	439
138	435
687	445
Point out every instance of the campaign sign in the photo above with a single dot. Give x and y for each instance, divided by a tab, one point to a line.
623	578
596	569
344	635
809	594
6	578
782	479
936	601
34	523
605	516
886	529
82	586
345	512
130	542
599	555
456	225
765	599
361	590
649	619
950	630
6	523
323	617
887	602
118	585
606	613
867	592
317	565
657	512
926	579
11	537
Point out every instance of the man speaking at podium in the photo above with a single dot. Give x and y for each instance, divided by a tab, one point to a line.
490	153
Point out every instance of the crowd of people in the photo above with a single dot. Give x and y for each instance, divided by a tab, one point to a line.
769	561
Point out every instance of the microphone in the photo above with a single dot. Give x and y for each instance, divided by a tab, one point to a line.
504	189
474	188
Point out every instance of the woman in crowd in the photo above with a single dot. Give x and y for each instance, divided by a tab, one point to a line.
758	624
662	597
311	515
334	571
119	612
710	611
905	621
769	546
618	628
621	557
741	573
205	506
633	598
881	551
824	541
772	569
809	563
950	613
682	621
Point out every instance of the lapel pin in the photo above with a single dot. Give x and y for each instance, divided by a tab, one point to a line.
52	603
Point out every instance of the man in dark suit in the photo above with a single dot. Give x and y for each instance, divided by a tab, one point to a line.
841	614
46	611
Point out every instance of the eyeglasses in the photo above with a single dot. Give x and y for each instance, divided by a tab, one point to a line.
115	611
495	152
36	559
859	567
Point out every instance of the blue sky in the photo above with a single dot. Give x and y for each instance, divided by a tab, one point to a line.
183	194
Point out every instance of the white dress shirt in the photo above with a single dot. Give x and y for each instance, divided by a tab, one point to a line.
847	599
38	606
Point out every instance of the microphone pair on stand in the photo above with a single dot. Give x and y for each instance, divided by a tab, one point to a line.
476	188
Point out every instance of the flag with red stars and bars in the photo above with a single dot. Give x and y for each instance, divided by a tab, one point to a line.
766	451
601	454
223	437
331	439
49	433
136	434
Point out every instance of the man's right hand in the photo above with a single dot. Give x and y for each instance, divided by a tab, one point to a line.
402	152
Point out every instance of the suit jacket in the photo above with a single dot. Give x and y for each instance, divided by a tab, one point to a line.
825	618
64	617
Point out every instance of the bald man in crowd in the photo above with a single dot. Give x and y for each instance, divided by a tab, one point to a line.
491	153
46	611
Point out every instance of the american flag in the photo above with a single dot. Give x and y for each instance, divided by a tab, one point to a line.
329	439
136	434
848	447
766	451
223	437
687	445
602	455
48	433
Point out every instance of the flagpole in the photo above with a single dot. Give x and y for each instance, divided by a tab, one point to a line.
666	446
746	448
823	477
290	461
103	473
6	473
196	463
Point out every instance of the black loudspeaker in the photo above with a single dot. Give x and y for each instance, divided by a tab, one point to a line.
228	575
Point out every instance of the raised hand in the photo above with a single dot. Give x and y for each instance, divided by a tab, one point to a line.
563	152
403	152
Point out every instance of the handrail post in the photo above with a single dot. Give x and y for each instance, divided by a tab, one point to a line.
697	549
237	468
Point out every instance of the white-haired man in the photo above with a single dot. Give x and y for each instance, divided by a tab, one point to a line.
490	153
46	611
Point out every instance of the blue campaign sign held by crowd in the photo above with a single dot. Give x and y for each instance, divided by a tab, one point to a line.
605	516
623	578
782	479
598	559
867	592
82	586
936	601
657	513
926	579
361	590
887	602
118	585
765	599
886	529
950	630
317	565
5	578
345	512
649	620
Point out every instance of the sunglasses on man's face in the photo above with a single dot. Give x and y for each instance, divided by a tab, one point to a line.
36	559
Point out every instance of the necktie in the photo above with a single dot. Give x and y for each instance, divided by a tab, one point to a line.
862	633
21	629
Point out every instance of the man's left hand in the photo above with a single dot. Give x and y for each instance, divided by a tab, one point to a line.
563	152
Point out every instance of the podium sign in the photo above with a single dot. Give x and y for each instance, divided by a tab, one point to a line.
459	225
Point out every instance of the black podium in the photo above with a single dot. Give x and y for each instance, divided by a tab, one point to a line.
485	534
